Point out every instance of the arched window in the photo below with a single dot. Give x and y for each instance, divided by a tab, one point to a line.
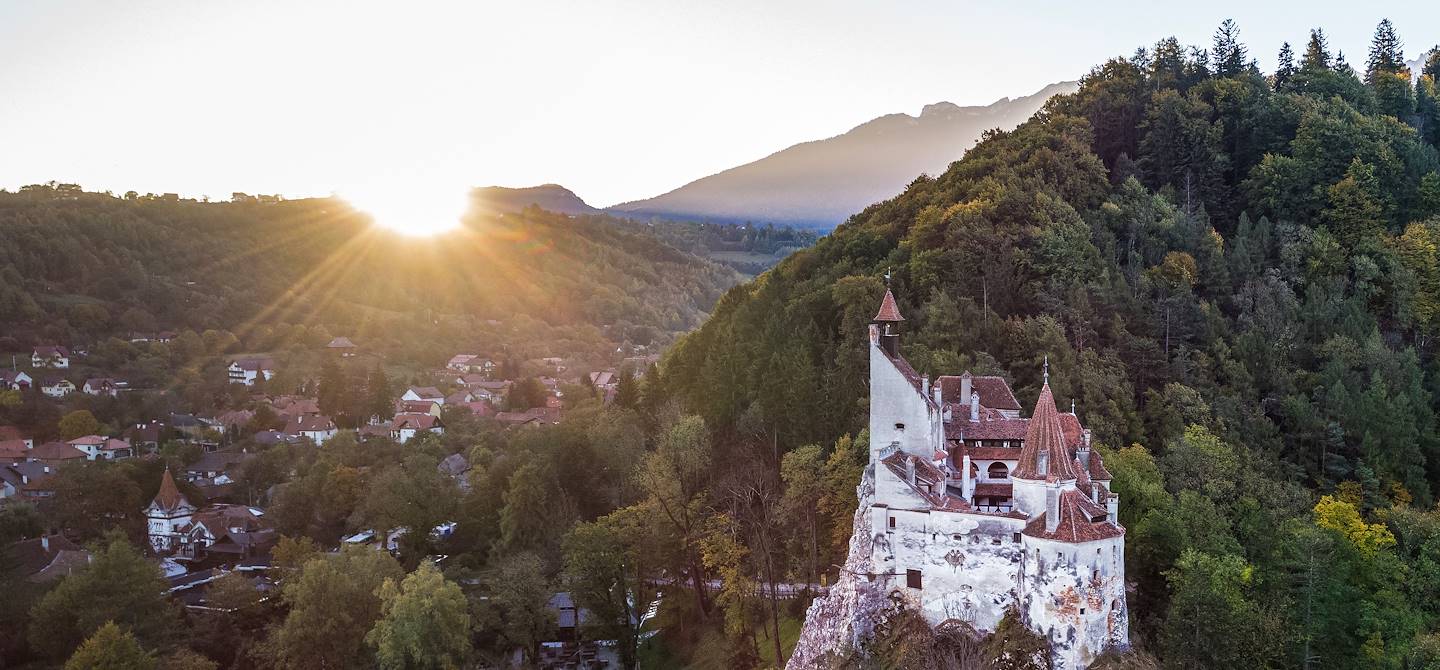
998	471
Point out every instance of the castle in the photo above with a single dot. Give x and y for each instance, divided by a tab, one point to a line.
967	508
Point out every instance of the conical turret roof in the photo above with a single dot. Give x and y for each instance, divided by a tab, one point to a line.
1044	434
169	496
889	312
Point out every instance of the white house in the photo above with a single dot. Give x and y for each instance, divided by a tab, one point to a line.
101	386
15	380
424	393
50	356
57	387
98	448
313	426
168	514
406	426
247	370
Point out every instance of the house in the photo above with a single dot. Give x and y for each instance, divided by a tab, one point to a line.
176	526
167	515
967	510
406	426
46	558
289	406
532	416
145	435
247	370
55	454
11	433
342	347
101	386
15	380
215	466
480	408
470	363
270	438
419	407
455	466
234	420
50	356
15	450
314	427
424	393
604	379
25	480
99	448
459	397
491	391
56	387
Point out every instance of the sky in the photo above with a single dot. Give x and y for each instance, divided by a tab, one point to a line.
617	100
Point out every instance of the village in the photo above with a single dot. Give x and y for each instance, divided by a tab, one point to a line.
207	519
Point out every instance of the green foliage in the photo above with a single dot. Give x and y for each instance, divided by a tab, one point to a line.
334	603
424	623
118	585
78	423
110	649
514	609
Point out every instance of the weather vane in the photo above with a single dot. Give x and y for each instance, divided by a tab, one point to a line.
1047	368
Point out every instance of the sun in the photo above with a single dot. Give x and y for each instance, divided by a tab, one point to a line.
418	212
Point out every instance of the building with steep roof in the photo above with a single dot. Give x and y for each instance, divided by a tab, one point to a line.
974	509
168	515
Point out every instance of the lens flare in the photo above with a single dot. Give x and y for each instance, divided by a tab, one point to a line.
421	211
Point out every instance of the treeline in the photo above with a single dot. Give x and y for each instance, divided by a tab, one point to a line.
79	267
1234	278
748	248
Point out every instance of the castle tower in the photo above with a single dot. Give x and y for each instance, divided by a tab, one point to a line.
1044	461
167	514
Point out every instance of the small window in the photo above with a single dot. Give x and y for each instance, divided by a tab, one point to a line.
957	537
995	540
1082	611
1017	537
899	426
912	579
998	470
892	522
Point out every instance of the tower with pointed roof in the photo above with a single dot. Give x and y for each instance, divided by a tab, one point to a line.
974	508
167	515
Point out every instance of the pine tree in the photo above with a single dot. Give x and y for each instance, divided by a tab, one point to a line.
1317	52
1286	68
1229	53
1341	66
380	397
1387	54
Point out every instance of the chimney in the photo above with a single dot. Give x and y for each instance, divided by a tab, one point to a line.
974	406
875	333
965	486
936	395
1112	507
1095	492
910	469
925	385
965	386
45	543
1052	506
1083	453
1042	463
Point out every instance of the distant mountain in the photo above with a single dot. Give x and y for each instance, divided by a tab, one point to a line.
818	184
550	197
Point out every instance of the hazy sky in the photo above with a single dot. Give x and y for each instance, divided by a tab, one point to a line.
616	100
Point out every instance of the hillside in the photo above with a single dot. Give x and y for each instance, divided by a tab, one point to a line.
80	267
551	197
1234	278
818	184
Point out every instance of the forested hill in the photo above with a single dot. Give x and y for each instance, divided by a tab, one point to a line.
1236	272
78	267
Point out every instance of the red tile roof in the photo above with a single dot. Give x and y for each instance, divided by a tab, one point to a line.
1045	434
56	451
309	423
889	312
169	496
994	392
13	450
414	421
993	490
1080	521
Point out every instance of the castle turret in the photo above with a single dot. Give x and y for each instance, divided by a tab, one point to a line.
167	514
1043	457
887	318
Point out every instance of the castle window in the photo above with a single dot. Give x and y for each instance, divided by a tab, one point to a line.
1017	537
1082	611
912	579
957	537
998	470
995	541
899	426
892	522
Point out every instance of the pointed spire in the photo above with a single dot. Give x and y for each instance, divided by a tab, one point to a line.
1047	369
169	496
1072	405
1044	435
889	312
